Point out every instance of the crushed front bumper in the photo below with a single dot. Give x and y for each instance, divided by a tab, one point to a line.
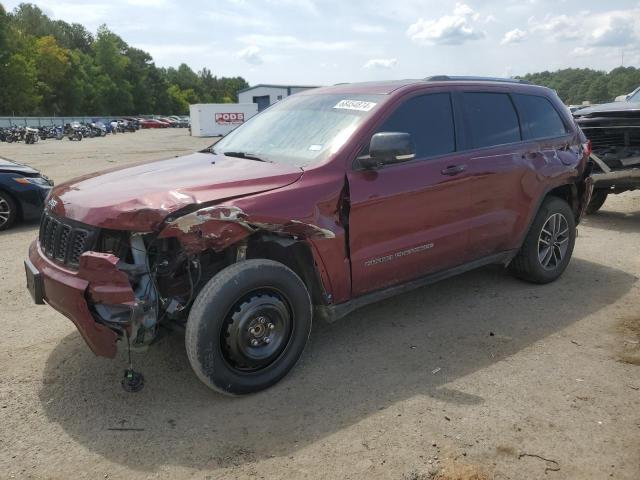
71	292
628	178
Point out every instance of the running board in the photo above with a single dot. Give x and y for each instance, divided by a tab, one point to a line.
332	313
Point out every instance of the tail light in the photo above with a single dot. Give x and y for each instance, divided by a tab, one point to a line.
587	148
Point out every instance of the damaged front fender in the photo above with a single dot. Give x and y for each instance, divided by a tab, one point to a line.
220	226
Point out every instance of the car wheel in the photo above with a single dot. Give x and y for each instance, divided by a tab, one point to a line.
8	211
548	246
597	200
248	326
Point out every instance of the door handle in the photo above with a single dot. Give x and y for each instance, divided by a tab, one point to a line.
454	169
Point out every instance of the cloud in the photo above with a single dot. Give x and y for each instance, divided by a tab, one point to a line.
618	32
513	36
236	18
364	28
251	55
381	63
452	29
582	51
147	3
558	27
291	42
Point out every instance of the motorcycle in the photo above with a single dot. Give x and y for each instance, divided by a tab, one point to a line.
74	132
31	135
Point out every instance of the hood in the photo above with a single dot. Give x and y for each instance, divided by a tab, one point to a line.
139	198
623	108
7	166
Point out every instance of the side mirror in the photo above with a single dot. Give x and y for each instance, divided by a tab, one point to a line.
388	148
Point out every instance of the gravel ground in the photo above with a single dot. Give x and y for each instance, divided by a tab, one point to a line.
478	377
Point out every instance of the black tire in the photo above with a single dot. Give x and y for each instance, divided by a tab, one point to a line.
222	325
8	211
597	200
529	263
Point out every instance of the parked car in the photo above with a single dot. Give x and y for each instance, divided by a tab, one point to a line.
171	122
152	123
181	122
614	132
22	193
329	200
134	123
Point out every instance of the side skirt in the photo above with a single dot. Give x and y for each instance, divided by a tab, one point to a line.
332	313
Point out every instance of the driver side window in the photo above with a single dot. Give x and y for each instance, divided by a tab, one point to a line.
429	120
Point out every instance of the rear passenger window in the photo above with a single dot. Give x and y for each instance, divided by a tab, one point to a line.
491	119
429	120
539	118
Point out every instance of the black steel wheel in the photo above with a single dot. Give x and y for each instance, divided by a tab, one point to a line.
248	326
597	201
256	330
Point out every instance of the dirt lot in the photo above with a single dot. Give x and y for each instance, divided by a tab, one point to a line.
478	377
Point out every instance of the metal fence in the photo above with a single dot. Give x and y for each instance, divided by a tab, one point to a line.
49	121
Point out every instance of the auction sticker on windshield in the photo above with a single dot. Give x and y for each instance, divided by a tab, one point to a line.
359	105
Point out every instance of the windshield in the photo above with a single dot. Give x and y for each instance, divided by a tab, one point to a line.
301	130
635	97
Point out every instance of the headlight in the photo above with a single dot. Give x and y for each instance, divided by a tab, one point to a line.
41	181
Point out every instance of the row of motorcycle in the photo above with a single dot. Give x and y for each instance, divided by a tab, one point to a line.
75	131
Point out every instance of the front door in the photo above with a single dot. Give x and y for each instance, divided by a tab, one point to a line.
411	219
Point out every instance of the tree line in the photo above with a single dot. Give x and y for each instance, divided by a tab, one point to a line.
576	85
51	67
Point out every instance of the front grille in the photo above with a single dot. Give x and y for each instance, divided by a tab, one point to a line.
608	137
63	240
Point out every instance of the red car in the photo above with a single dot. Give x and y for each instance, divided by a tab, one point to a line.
152	123
171	122
327	201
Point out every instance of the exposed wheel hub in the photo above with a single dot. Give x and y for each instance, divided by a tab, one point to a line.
257	331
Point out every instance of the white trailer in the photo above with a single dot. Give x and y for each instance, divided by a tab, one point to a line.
217	119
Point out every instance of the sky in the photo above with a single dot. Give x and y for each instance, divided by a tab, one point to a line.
322	42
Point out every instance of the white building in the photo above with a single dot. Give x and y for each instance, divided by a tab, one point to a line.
265	95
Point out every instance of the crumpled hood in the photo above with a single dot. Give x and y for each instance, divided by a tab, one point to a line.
607	108
140	197
7	166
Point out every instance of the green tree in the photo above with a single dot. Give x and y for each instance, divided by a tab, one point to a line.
52	63
18	94
54	67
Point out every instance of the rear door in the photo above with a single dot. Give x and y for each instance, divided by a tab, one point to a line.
410	219
506	157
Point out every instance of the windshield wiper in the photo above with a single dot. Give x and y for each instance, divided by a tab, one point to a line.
248	156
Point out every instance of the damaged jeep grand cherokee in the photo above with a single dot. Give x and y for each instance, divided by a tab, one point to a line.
329	200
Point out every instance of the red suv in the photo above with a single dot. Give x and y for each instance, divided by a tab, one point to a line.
327	201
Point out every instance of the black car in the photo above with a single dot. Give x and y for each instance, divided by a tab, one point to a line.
23	191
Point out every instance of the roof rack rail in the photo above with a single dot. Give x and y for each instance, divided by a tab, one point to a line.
445	78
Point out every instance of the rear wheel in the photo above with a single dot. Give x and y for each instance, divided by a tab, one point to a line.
248	326
8	211
548	246
597	200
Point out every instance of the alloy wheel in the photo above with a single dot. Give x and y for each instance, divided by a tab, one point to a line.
5	211
553	241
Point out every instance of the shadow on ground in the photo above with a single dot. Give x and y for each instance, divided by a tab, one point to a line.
625	222
376	357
